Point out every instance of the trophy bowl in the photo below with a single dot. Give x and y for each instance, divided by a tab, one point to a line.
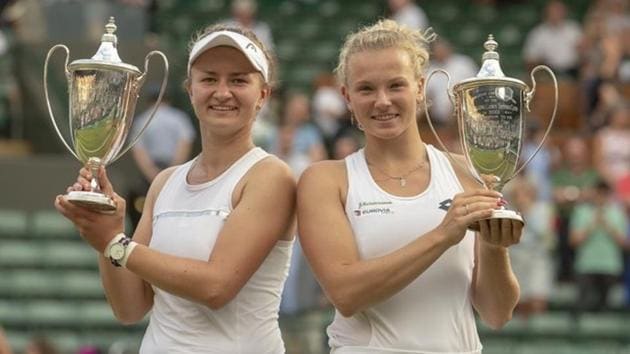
102	98
491	118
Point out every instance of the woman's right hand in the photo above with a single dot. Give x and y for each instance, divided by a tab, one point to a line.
467	208
83	183
95	227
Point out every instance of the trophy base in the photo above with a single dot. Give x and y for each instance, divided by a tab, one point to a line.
93	201
499	214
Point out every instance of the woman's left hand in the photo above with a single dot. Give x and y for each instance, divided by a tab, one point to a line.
96	228
500	232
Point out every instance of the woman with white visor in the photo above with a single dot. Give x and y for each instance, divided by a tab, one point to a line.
211	252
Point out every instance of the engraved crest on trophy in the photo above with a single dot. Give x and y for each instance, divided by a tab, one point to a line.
491	122
102	93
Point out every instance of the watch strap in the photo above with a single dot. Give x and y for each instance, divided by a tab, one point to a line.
130	247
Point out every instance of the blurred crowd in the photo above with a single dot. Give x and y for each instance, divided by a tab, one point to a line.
574	195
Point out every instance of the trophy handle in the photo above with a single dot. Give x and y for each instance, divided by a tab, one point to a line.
528	98
451	97
138	83
50	112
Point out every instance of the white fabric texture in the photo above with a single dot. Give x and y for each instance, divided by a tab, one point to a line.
433	314
186	222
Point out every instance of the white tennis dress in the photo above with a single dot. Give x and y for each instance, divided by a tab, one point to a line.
186	222
433	314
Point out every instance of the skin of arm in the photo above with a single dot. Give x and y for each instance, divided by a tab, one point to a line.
242	245
129	295
353	284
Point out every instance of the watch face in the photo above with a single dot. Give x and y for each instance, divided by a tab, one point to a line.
117	251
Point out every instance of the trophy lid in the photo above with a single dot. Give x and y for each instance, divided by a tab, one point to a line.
490	71
106	56
490	66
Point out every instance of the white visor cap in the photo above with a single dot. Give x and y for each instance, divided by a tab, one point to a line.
236	40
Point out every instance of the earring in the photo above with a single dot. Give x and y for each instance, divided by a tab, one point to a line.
355	122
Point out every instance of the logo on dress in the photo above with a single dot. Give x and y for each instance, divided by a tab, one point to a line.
445	204
374	208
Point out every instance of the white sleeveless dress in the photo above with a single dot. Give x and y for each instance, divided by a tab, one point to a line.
434	313
186	222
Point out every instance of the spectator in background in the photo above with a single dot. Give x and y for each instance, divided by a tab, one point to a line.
297	141
40	345
459	67
329	108
554	42
606	57
531	258
167	141
572	183
605	97
607	15
408	13
598	235
5	348
538	170
611	145
345	145
244	15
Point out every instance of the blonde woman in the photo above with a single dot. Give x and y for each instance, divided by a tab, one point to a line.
385	229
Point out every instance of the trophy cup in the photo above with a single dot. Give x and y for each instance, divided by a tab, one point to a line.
102	98
491	123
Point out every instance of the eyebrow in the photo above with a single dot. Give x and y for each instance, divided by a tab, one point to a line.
230	74
368	82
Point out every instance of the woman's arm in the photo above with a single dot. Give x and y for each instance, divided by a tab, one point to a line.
129	295
264	203
263	213
353	284
495	289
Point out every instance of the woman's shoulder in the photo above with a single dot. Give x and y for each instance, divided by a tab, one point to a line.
324	173
271	166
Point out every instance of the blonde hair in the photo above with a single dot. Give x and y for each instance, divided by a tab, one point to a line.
387	34
236	29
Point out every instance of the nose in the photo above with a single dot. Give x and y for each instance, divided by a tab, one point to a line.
222	91
382	99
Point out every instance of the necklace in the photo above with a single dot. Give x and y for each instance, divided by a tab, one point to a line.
402	179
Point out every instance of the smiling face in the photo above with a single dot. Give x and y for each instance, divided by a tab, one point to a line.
225	90
382	92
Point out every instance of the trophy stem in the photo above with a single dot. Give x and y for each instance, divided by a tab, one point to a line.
95	199
94	163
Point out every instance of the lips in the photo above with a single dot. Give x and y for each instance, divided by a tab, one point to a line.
222	108
385	117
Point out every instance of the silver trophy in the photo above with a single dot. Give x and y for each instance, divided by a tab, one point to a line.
102	97
491	122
